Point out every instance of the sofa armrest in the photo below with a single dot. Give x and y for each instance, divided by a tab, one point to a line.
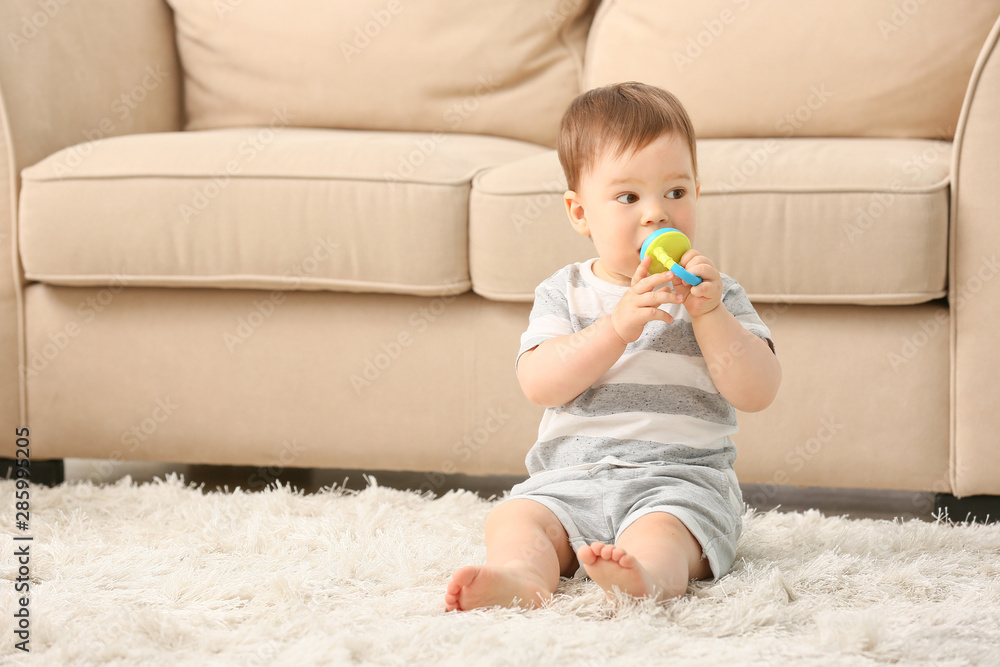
974	280
77	72
70	73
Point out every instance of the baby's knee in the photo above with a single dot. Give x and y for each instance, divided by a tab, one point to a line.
531	525
525	512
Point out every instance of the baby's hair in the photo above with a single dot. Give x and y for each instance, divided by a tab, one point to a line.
618	119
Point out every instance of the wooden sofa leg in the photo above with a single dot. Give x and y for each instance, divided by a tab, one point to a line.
976	509
49	473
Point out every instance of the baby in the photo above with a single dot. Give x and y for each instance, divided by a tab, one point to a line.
631	479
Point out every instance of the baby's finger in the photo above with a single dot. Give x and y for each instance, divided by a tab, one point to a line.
661	315
658	297
689	255
654	282
641	271
681	289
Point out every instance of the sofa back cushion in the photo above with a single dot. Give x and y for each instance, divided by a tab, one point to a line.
478	66
862	68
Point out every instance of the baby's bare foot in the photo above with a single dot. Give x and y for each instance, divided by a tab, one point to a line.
481	586
612	568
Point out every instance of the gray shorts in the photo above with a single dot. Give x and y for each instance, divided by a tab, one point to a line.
598	504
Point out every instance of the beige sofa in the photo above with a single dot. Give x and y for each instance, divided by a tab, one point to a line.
310	236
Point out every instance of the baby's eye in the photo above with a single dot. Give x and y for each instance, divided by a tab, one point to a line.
630	198
677	193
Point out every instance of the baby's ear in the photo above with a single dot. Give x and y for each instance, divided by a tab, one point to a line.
577	214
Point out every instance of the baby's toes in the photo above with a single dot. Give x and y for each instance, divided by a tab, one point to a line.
607	552
627	560
453	589
617	554
587	554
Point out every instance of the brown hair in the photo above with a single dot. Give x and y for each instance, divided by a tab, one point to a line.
621	118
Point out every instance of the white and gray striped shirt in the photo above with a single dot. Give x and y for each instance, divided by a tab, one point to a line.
656	405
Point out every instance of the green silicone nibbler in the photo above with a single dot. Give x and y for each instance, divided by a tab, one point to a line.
666	246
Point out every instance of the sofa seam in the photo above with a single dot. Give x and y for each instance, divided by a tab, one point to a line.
706	191
941	186
161	280
127	177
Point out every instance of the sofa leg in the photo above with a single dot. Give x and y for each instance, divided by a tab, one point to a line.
976	509
49	473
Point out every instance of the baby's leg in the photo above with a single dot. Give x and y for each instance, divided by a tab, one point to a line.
526	550
654	557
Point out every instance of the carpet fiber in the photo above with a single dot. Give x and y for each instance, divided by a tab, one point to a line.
165	573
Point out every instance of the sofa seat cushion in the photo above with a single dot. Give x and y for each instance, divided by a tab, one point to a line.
848	221
280	208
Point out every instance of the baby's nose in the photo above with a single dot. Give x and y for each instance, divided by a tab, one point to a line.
654	215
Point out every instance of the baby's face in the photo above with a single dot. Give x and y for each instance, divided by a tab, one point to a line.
624	200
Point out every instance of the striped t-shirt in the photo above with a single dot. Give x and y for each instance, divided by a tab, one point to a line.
656	405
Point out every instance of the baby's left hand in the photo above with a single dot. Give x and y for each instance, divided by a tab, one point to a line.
704	297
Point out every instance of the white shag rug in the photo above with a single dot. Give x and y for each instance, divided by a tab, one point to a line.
166	574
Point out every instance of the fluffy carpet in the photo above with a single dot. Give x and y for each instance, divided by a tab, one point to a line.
167	574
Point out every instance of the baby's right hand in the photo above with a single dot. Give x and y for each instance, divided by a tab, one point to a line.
641	303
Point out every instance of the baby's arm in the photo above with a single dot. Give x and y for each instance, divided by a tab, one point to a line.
743	366
561	368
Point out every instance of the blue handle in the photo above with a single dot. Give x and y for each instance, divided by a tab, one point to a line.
685	275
